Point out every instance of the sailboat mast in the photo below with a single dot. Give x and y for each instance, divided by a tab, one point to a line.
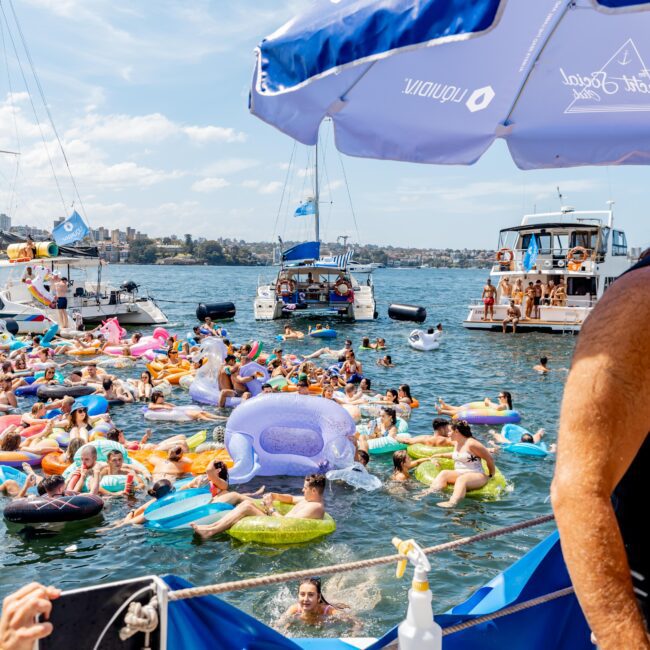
316	200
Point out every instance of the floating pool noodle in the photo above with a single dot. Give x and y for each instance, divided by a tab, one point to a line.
288	434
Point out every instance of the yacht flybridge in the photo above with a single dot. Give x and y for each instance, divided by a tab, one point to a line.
575	255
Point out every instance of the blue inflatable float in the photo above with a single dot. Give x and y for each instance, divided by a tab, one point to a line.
513	433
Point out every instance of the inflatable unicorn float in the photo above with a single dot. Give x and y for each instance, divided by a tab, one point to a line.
205	387
115	334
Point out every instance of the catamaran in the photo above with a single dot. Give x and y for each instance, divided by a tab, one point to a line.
310	285
576	255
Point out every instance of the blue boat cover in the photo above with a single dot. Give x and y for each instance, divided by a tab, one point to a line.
438	81
309	250
208	623
211	623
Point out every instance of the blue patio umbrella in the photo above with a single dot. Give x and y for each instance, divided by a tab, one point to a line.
563	82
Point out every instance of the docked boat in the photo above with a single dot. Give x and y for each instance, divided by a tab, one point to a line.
88	293
575	255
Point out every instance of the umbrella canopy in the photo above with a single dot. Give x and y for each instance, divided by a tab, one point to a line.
564	82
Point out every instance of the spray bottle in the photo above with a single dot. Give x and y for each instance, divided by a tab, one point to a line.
418	631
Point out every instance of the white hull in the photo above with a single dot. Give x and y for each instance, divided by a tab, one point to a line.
559	320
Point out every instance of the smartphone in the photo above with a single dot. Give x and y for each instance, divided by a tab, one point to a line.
92	617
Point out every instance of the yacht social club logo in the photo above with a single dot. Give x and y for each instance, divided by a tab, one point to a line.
476	100
621	85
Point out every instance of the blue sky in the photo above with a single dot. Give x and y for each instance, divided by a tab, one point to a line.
150	101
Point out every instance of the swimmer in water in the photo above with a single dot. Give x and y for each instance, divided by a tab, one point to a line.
402	465
170	468
440	438
528	438
542	366
313	609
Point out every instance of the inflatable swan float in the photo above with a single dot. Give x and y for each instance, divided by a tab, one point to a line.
424	341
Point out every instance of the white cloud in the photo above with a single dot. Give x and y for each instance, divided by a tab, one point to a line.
270	188
230	166
203	134
250	184
209	184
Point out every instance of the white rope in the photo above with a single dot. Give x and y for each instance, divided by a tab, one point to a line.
140	618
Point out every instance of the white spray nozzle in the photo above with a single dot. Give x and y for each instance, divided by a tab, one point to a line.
411	551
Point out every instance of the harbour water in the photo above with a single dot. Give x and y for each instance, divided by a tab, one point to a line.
470	365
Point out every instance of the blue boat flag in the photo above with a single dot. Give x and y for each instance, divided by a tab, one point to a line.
530	257
305	209
71	230
309	250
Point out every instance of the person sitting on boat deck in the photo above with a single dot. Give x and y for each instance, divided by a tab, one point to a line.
488	296
313	609
440	438
114	392
468	472
8	399
290	333
309	506
504	404
548	291
559	296
403	464
329	352
506	290
231	383
512	316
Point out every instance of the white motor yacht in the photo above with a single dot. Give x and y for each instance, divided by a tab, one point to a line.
88	294
580	252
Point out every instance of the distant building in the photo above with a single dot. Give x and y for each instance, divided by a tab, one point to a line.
35	233
130	234
115	237
5	222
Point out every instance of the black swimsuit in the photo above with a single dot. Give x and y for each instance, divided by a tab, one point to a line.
630	504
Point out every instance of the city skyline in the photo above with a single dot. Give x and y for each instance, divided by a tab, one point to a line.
151	110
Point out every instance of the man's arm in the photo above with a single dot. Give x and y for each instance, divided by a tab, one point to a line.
604	421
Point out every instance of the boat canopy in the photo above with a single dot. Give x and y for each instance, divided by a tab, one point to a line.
309	250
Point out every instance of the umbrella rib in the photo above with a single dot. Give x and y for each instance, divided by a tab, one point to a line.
341	101
531	67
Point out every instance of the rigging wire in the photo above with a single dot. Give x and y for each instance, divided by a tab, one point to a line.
284	188
31	101
49	114
347	188
15	121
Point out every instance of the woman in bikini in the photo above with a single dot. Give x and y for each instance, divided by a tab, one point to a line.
504	404
468	473
312	608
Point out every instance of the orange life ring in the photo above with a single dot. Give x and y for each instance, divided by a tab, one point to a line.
342	287
577	250
285	287
501	254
